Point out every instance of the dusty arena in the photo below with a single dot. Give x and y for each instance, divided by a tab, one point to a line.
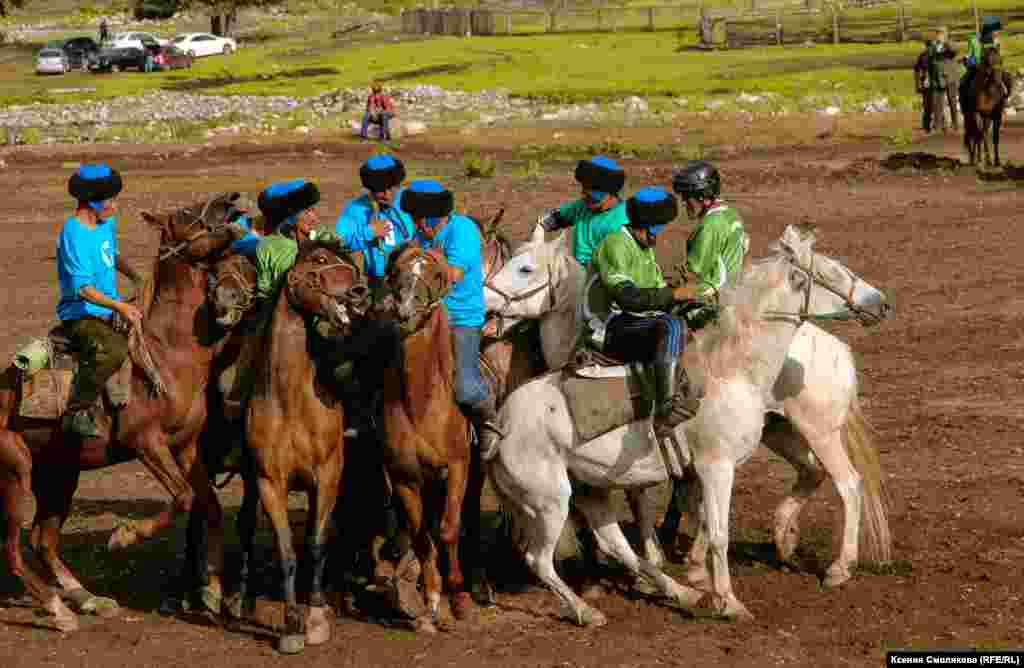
941	384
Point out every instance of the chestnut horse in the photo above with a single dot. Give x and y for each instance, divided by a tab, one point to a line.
295	429
38	458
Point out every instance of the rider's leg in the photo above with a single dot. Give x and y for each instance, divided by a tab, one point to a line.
101	352
677	402
472	392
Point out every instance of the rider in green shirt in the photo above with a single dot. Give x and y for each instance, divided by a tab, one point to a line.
719	240
977	45
287	209
642	329
595	215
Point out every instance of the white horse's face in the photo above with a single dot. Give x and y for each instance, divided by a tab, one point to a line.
522	289
834	288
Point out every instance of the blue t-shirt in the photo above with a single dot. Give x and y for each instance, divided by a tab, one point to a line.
86	257
459	240
354	228
246	245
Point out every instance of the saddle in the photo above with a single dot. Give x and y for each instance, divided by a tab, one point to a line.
46	376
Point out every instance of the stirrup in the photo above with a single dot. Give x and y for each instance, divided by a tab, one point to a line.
489	446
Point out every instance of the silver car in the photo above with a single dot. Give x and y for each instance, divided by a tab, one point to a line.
52	61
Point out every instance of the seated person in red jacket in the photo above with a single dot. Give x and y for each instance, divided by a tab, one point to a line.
380	109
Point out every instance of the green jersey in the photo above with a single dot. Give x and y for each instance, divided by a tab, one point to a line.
589	229
274	257
720	234
621	259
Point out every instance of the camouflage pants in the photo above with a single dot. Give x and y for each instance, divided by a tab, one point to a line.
101	352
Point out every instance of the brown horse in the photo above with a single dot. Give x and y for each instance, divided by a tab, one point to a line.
987	93
37	457
295	431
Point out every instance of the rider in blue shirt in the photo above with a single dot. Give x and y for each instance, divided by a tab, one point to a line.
87	262
374	223
454	240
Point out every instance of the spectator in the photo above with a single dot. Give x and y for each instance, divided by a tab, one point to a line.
104	31
953	71
921	86
380	109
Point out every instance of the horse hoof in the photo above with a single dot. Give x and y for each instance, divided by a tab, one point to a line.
462	605
211	600
646	587
699	578
234	607
291	644
318	626
424	625
101	607
592	618
836	577
711	606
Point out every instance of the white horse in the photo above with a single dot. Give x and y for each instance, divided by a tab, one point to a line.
815	391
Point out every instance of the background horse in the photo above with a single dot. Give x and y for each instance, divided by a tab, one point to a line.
741	359
817	387
38	457
295	429
983	108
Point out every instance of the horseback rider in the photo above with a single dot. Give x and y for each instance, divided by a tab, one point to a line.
288	211
86	261
374	223
454	241
598	213
644	330
977	47
719	237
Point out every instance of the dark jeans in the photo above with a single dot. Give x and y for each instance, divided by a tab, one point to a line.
658	338
470	387
926	110
101	352
383	120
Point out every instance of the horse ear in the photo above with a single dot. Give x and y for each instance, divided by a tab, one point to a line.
808	232
538	235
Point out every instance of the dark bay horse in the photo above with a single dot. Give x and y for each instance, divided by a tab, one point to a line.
983	107
295	429
38	458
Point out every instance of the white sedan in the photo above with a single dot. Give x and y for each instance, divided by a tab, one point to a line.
136	39
198	44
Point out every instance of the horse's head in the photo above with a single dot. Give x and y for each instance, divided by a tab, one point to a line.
233	289
829	289
527	285
326	282
418	282
197	232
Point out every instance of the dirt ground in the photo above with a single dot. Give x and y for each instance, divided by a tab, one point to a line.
941	383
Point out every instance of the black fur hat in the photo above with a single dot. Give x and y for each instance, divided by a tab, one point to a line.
602	174
651	207
382	172
283	200
95	183
427	199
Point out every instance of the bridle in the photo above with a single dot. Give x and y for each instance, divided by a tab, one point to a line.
510	299
814	277
174	249
312	280
409	263
246	289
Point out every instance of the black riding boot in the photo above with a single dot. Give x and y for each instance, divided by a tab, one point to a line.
484	417
674	403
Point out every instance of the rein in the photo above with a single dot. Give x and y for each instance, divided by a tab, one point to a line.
511	299
426	307
247	290
167	251
814	278
313	280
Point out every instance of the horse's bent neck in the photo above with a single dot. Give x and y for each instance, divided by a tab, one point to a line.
174	313
429	364
285	347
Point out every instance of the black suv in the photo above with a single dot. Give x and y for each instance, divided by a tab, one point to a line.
80	51
123	58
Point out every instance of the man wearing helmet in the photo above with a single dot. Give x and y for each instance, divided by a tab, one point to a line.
719	239
643	330
595	215
87	262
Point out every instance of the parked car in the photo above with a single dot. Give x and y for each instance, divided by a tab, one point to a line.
172	58
123	58
52	61
199	44
136	39
155	9
80	50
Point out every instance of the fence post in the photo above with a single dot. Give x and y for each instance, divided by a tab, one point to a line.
650	18
778	27
901	17
835	24
551	22
600	21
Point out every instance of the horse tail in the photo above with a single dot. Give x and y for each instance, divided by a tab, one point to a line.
861	450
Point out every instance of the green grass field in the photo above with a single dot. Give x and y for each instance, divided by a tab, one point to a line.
572	67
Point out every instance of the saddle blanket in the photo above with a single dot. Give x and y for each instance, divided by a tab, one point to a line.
603	398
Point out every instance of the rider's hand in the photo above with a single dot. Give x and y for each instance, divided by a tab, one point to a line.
684	293
381	227
130	313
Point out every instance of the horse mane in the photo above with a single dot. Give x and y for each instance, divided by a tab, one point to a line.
728	345
148	295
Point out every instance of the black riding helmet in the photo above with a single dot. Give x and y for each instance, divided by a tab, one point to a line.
698	179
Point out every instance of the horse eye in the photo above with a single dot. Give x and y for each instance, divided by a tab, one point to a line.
526	269
321	260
